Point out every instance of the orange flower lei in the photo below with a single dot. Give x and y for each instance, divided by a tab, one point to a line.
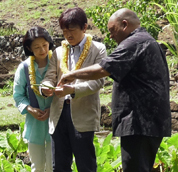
32	76
65	47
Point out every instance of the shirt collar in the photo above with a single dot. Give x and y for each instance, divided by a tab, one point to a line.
139	29
81	44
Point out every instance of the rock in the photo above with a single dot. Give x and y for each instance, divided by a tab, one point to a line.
174	106
106	116
174	121
3	69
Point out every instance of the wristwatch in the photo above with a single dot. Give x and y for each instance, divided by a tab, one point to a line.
72	95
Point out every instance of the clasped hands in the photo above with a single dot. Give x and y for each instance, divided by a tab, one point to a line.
38	114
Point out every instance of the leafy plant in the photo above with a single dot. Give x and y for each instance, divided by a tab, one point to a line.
167	156
108	155
10	146
172	62
7	89
170	10
144	9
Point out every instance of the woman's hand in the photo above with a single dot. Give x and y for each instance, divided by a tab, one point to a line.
45	115
38	113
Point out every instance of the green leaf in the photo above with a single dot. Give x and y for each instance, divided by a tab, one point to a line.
3	142
105	150
101	159
12	140
173	140
108	167
169	46
28	168
117	162
6	166
107	140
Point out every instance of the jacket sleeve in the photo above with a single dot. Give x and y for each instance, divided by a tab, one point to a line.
51	76
19	90
88	87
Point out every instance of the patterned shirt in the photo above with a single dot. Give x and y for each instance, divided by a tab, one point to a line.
140	101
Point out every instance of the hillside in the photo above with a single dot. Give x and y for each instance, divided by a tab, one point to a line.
24	14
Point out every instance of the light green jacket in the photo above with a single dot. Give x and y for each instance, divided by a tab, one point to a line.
35	131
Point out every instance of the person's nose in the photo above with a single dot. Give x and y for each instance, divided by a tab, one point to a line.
68	34
42	49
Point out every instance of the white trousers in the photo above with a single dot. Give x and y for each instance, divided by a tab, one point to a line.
41	157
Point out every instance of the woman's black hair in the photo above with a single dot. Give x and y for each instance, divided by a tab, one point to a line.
35	32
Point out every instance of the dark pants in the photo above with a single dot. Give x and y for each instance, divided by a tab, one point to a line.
67	141
139	152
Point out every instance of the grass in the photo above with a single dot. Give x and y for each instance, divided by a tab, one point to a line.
105	98
8	31
9	114
24	12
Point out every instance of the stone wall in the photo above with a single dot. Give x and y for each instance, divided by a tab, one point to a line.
11	47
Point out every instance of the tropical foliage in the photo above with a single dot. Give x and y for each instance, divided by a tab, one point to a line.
10	146
170	12
108	153
146	12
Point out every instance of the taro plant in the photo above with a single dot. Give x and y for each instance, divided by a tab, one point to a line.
108	155
10	146
167	155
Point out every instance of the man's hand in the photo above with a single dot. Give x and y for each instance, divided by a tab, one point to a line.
64	90
65	79
47	91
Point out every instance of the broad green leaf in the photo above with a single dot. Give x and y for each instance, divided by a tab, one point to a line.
117	162
22	146
101	159
107	140
28	168
3	142
108	167
97	149
173	140
6	166
105	150
22	127
12	140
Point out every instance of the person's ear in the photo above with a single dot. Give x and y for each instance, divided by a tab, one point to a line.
85	27
125	24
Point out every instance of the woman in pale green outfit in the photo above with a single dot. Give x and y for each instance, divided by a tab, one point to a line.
37	43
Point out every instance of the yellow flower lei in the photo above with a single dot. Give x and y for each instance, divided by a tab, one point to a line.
32	75
65	47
